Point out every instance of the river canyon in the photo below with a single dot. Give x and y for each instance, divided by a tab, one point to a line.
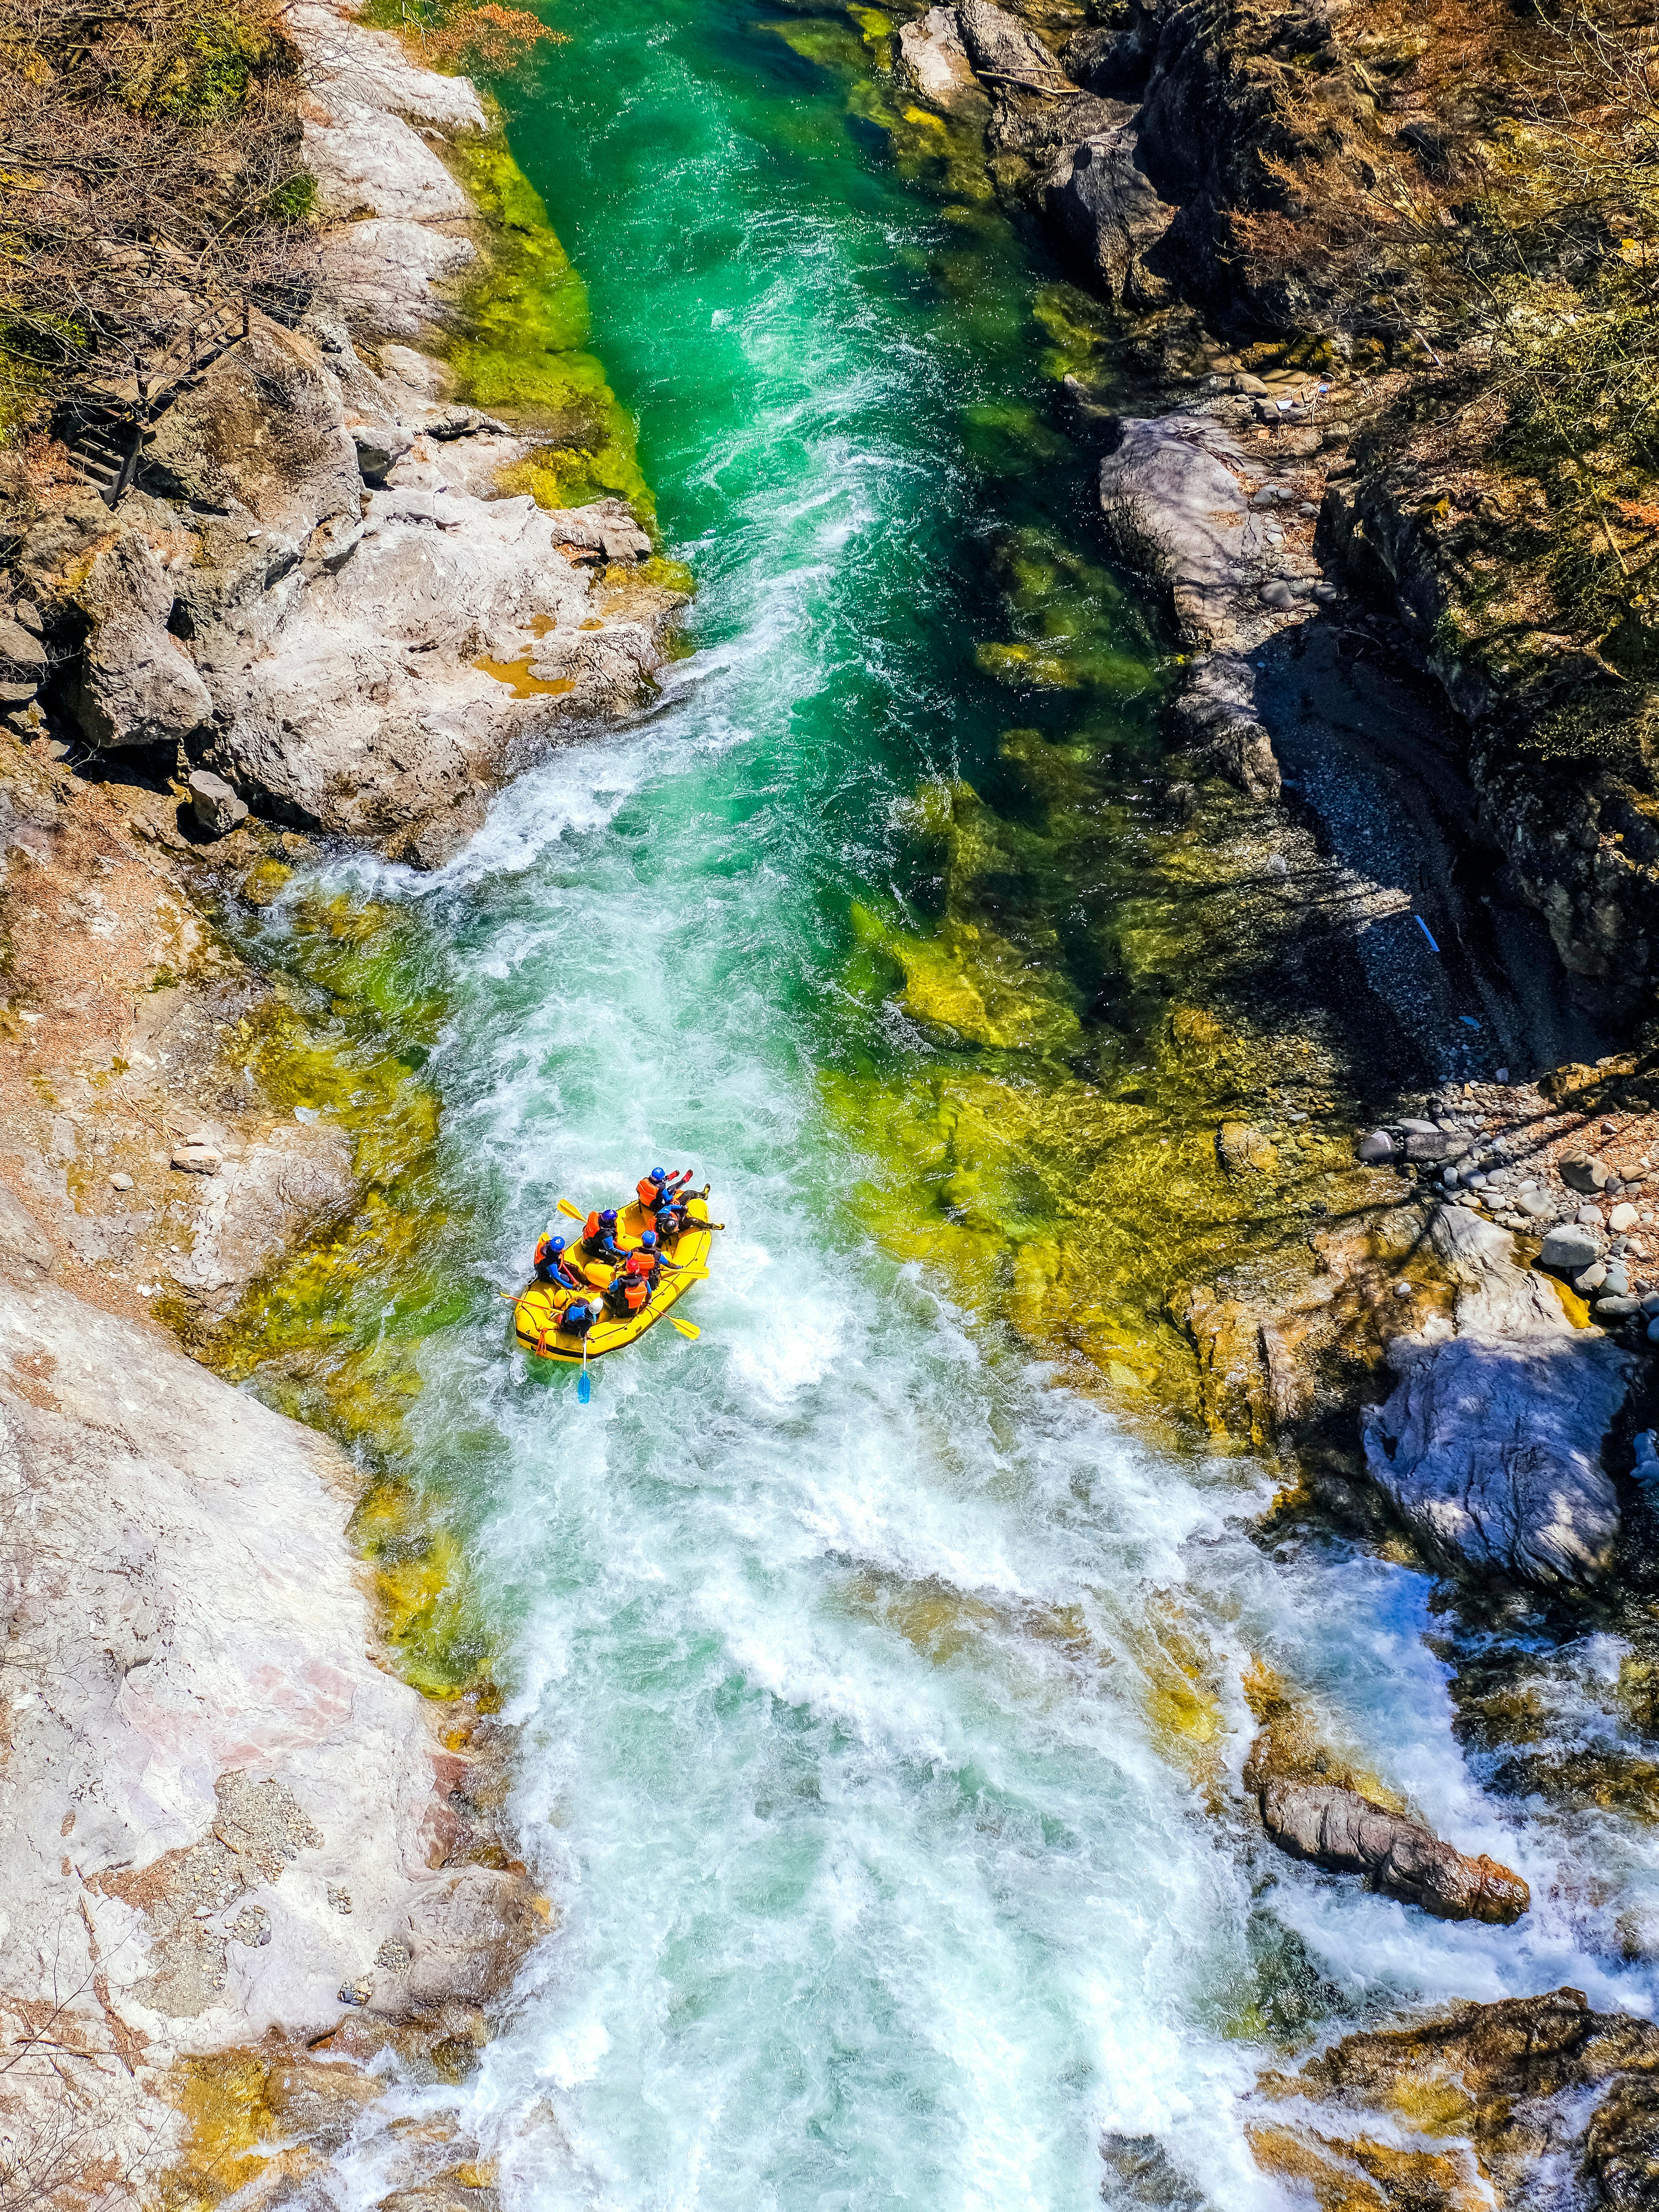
876	1675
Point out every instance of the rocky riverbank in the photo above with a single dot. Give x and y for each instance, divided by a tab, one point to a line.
337	599
1452	1359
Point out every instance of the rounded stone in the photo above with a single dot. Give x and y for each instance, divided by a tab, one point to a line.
120	1183
1569	1247
1378	1146
1623	1216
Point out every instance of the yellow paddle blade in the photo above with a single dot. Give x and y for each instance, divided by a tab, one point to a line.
575	1212
693	1274
687	1328
512	1296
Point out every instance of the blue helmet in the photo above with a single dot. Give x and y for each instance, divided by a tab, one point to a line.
557	1244
659	1174
649	1238
608	1219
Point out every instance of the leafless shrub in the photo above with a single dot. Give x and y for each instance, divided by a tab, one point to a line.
153	189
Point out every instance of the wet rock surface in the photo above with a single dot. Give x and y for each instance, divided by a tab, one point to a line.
1340	1829
1490	1446
1514	2087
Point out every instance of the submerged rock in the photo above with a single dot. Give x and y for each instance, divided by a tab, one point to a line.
1244	1151
1339	1829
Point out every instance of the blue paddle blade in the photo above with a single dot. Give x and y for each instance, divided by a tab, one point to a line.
584	1389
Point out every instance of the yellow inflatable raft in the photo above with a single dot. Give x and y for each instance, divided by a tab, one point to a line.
535	1317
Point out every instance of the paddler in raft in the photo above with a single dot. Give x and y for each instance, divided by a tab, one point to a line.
637	1277
659	1189
550	1267
599	1238
671	1216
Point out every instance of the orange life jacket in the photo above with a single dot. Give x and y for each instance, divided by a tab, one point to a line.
542	1244
650	1194
636	1290
641	1262
590	1226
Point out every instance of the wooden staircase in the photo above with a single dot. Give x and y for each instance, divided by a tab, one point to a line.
106	422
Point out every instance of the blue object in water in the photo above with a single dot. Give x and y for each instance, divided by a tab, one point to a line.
1423	927
1468	1021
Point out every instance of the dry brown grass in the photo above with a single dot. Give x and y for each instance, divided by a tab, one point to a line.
152	187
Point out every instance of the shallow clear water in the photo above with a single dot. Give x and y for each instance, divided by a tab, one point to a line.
881	1696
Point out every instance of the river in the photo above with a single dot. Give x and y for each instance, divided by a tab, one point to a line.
879	1686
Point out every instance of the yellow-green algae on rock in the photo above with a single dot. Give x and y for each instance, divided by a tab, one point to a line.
1063	1175
334	1334
946	153
521	348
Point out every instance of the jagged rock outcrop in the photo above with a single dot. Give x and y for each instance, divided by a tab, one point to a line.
1195	503
1490	1447
1339	1829
1099	194
226	1818
1469	2107
317	592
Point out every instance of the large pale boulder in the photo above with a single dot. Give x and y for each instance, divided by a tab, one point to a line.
220	1806
933	65
1490	1446
1172	494
262	435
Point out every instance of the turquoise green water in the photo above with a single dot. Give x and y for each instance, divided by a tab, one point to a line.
880	1696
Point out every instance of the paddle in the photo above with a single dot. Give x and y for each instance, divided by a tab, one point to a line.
584	1388
686	1328
575	1212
